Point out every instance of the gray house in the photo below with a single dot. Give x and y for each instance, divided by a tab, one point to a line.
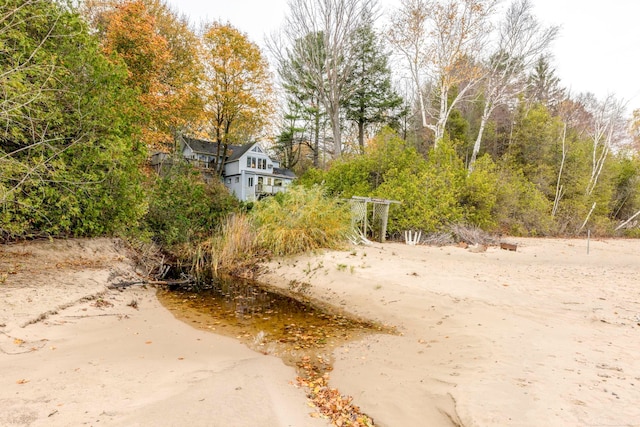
249	173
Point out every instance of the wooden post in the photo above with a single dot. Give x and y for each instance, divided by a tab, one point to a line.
383	222
364	223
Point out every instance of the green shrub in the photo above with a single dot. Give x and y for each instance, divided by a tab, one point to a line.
521	209
70	157
183	208
480	194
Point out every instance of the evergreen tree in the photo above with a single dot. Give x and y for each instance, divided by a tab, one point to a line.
305	117
544	85
373	99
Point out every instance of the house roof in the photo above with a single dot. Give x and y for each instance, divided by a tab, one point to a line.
238	150
201	146
234	152
284	172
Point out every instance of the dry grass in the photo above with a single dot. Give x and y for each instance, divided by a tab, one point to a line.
299	221
472	235
232	244
302	220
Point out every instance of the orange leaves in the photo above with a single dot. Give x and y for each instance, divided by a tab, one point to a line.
329	402
131	35
160	53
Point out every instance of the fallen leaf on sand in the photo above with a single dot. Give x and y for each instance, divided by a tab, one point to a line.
22	381
148	342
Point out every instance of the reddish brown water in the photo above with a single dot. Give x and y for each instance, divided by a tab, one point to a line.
265	320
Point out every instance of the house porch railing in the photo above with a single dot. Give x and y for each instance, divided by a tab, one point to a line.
262	189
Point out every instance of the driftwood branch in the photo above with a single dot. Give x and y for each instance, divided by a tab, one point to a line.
627	221
122	285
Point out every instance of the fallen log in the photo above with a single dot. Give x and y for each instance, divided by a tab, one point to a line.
508	246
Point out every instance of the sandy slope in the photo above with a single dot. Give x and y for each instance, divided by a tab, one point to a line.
67	360
547	335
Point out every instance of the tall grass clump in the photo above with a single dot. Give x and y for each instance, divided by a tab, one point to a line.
231	246
301	220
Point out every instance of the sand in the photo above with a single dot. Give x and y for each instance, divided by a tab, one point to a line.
73	352
546	335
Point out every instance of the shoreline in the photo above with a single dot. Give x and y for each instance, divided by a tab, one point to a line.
545	335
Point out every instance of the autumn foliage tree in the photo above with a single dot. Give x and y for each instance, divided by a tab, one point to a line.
161	54
131	37
237	88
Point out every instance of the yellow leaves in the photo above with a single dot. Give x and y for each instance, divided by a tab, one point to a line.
237	85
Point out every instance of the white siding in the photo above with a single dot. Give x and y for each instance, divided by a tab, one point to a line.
232	168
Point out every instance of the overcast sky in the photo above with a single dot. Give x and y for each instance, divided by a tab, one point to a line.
598	49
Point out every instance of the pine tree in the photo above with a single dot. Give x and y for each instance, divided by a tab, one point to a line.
374	101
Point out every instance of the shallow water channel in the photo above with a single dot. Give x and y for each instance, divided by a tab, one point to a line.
265	320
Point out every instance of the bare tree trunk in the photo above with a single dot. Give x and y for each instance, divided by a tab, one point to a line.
605	132
521	41
628	221
328	27
486	112
559	189
587	218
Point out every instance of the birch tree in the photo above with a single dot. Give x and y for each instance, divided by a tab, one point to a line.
330	60
521	41
605	130
441	39
408	34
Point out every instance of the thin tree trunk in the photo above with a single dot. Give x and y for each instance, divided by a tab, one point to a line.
337	134
587	218
559	191
486	112
361	136
627	221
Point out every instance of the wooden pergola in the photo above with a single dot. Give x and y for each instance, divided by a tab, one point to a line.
380	214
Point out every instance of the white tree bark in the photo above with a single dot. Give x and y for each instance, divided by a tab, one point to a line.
605	130
439	38
407	33
521	41
628	221
559	188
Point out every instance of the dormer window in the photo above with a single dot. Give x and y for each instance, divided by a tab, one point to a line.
256	163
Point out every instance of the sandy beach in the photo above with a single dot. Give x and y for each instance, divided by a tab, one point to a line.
544	335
